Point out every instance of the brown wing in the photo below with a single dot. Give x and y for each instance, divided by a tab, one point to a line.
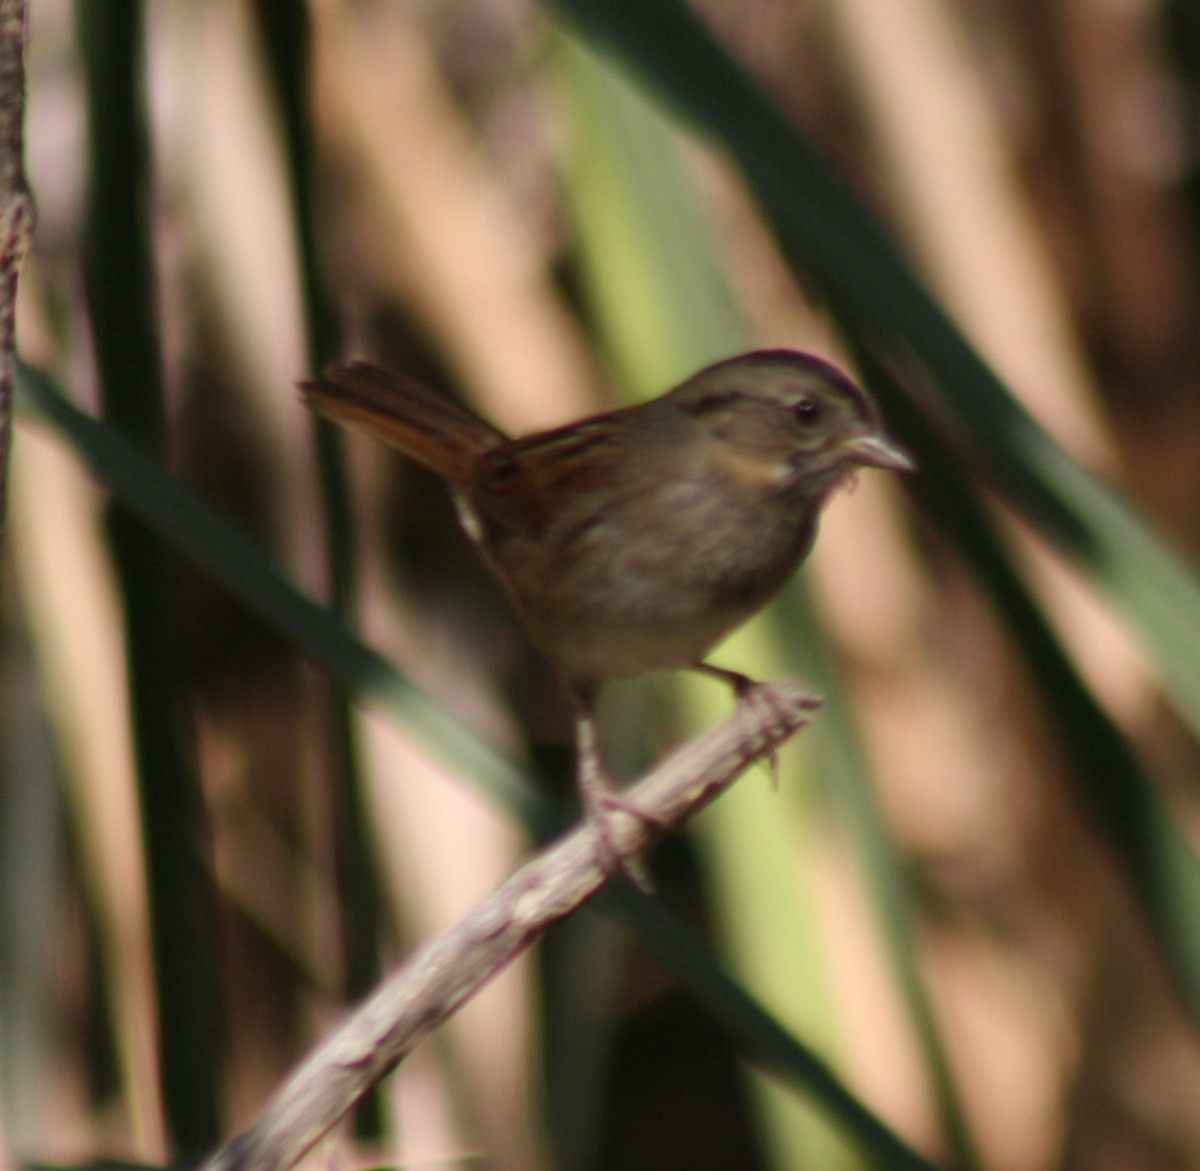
439	434
526	483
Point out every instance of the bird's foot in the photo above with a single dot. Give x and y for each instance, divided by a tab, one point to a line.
760	701
602	807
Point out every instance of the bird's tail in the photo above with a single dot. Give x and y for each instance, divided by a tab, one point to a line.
437	433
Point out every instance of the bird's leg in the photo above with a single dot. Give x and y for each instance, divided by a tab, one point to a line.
599	799
758	697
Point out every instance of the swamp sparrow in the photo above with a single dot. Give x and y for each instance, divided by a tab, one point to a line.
635	540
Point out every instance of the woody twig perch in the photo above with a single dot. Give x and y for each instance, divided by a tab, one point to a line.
446	973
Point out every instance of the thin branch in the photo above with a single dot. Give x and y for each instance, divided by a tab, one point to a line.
16	210
441	977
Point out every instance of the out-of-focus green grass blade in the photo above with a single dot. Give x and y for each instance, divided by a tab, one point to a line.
237	564
827	233
846	778
658	298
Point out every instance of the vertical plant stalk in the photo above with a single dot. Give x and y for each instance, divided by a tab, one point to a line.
119	279
16	211
285	30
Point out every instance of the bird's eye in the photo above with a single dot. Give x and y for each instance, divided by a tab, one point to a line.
808	411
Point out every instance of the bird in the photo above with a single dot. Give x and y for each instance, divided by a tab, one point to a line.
633	541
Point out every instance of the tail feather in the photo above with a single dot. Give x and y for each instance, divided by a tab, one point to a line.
442	436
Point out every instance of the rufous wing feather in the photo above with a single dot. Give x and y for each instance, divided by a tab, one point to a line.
428	428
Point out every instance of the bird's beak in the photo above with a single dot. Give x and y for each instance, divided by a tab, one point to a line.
880	452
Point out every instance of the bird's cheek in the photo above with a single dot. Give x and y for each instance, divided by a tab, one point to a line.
807	462
779	473
814	476
757	472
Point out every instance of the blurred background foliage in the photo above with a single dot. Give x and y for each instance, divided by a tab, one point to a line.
974	892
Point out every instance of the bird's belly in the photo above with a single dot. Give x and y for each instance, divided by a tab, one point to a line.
631	607
607	644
